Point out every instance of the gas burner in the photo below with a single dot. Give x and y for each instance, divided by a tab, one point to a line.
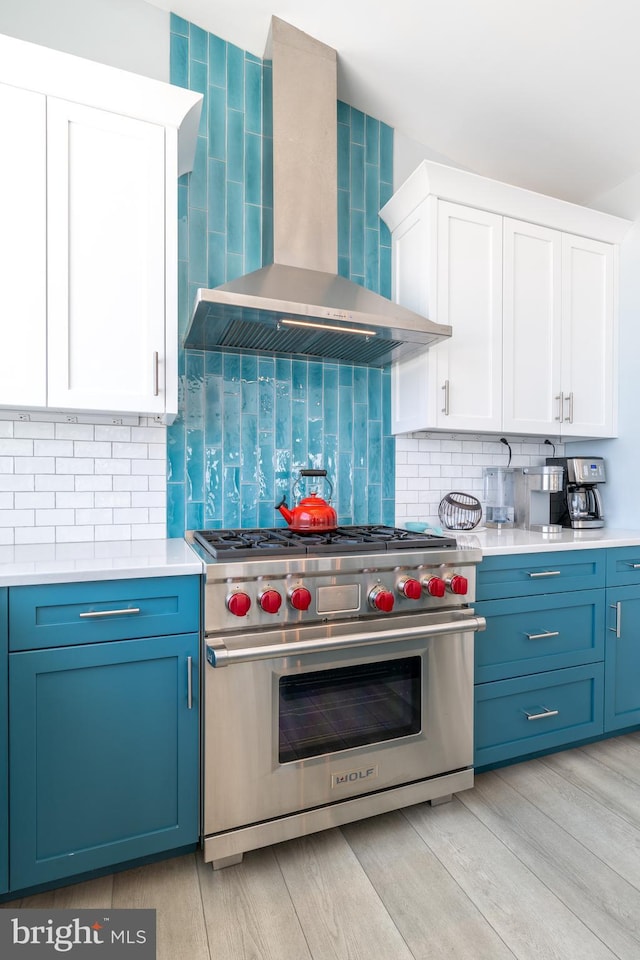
281	541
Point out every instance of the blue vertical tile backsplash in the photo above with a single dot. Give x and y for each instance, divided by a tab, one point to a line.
248	423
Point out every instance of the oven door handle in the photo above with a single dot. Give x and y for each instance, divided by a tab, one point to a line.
218	655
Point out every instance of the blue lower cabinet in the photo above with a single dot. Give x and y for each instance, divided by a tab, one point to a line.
104	755
539	712
622	658
4	747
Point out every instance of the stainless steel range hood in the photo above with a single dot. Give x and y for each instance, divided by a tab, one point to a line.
298	305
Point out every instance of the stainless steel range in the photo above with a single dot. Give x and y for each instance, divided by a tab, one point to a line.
339	679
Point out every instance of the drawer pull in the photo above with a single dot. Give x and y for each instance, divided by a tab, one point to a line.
618	609
110	613
542	636
546	573
540	716
634	566
189	683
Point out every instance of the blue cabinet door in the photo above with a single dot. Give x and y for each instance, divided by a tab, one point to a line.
103	755
622	658
4	747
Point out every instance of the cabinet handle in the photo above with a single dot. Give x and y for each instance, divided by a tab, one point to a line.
545	573
560	399
156	378
445	387
189	683
109	613
540	716
618	609
634	566
542	636
569	399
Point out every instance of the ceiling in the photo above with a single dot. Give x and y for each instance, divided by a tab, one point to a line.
544	94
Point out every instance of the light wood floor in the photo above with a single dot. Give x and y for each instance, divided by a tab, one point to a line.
540	861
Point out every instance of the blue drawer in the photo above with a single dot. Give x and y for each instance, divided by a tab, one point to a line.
532	634
57	615
623	566
533	574
503	729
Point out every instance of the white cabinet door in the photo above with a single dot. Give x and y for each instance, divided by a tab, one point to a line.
23	265
531	333
106	256
448	265
469	298
589	338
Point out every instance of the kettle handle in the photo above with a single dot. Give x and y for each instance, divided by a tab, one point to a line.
314	473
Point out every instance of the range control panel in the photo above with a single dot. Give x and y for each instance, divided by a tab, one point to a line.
274	600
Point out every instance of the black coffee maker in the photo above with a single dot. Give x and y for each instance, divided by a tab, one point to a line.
578	504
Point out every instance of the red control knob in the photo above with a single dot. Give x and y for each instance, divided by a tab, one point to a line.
381	599
300	598
270	601
238	604
410	588
458	584
435	586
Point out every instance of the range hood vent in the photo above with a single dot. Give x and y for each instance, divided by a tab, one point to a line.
298	306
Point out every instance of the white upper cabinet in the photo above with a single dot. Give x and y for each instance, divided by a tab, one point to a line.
23	254
457	384
528	285
106	319
90	235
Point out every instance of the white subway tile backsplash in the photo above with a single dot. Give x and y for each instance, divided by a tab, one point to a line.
111	433
74	482
74	431
74	534
91	448
102	516
138	451
47	518
95	482
112	466
29	428
34	465
16	448
131	515
115	499
34	501
10	481
432	466
114	531
74	465
17	518
75	499
132	483
35	534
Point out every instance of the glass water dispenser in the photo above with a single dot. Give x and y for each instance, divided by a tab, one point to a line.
499	496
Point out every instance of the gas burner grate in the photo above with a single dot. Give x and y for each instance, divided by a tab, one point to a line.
281	542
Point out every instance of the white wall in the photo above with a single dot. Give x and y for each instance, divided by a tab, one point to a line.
129	34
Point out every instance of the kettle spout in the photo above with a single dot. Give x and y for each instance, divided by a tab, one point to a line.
284	510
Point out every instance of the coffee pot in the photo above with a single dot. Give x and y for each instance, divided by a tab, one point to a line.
579	503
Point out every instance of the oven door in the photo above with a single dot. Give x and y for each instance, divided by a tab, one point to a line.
354	708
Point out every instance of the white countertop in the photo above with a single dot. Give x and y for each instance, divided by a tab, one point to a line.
494	541
109	560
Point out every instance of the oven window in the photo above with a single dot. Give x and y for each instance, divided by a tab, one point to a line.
346	707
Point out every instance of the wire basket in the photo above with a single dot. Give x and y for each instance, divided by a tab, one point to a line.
459	511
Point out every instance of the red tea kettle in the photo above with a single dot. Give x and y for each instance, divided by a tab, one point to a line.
312	514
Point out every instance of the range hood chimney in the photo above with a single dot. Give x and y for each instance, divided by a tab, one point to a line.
298	305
